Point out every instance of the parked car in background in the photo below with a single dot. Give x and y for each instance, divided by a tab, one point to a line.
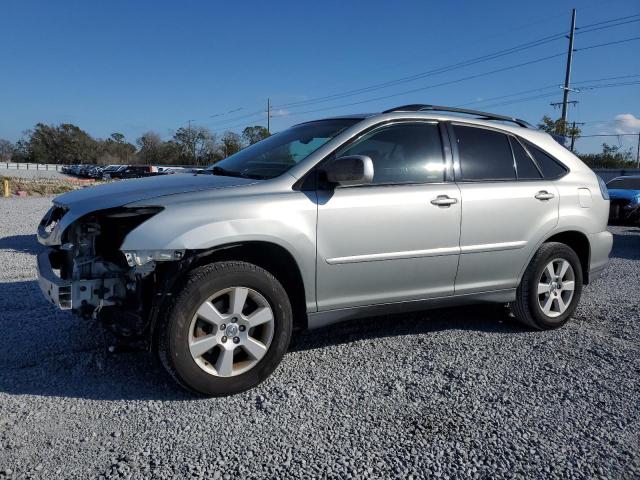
624	193
330	220
135	171
95	172
111	170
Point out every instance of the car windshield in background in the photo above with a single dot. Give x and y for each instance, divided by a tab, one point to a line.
278	153
632	183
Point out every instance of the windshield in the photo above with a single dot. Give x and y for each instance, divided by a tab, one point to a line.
631	183
278	153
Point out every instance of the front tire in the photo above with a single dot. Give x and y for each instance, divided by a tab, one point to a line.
227	329
550	289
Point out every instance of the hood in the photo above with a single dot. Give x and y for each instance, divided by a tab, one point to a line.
620	194
128	191
117	194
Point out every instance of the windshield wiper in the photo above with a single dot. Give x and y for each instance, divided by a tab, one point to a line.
216	170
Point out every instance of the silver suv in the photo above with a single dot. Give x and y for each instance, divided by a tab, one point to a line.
330	220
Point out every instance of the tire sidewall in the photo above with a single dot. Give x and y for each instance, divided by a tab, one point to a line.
190	299
558	252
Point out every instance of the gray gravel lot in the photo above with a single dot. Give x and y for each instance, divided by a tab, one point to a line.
449	393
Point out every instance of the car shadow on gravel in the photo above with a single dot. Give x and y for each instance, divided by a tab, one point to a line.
21	243
493	319
46	352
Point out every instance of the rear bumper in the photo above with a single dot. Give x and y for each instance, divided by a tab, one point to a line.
54	289
601	244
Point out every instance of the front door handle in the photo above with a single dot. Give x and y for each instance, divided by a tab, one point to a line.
443	201
544	195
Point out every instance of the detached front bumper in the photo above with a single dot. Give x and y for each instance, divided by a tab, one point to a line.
54	289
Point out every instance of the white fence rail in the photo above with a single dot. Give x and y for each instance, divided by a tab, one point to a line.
32	166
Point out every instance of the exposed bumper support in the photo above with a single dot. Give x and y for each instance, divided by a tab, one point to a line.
56	290
68	295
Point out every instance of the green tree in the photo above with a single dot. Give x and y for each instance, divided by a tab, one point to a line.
558	127
197	145
6	150
254	134
612	156
231	143
65	143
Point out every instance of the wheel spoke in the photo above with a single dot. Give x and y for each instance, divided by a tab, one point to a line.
254	348
543	288
561	305
238	298
202	345
551	274
209	313
260	316
547	305
569	286
224	364
564	266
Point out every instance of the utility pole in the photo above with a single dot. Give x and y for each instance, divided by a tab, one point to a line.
269	116
567	77
192	143
573	133
638	151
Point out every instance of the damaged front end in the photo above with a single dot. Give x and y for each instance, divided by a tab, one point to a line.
86	272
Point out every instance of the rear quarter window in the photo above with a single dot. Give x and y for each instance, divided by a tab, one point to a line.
550	167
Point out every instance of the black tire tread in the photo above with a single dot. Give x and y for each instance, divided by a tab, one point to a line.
193	278
521	307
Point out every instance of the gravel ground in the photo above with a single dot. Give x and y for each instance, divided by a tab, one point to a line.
448	393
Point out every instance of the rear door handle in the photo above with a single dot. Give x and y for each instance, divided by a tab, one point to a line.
443	201
544	195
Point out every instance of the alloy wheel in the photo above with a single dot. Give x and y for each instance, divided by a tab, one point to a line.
231	331
556	287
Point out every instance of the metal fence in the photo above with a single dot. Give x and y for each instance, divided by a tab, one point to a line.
32	166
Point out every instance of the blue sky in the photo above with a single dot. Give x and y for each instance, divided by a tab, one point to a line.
153	65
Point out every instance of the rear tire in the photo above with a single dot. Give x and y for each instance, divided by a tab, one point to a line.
240	316
550	288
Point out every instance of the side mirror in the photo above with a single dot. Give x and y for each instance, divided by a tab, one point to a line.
350	170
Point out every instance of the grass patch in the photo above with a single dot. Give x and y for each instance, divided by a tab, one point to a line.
40	186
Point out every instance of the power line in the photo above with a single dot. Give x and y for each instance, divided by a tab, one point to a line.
432	72
610	21
458	65
418	76
616	42
607	26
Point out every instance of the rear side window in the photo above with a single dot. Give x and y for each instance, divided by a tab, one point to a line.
524	165
550	168
484	154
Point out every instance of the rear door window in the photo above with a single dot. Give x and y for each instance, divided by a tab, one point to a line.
485	155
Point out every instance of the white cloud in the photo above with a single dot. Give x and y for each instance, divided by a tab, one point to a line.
625	123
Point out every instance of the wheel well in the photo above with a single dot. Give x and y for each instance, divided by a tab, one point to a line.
580	244
276	260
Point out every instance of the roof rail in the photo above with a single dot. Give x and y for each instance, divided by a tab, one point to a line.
418	107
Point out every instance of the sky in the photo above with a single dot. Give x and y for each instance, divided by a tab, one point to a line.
132	67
